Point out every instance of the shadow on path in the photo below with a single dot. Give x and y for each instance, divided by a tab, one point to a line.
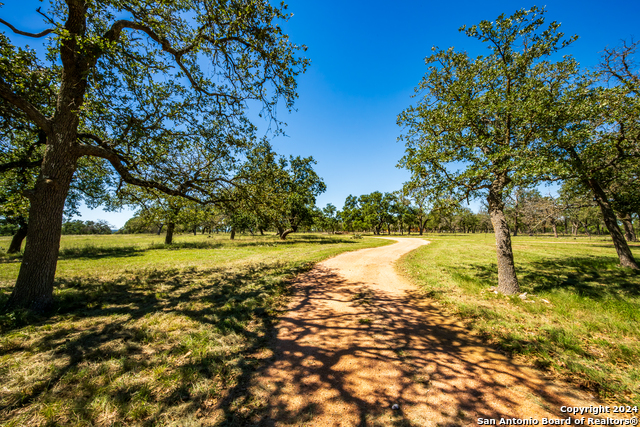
348	350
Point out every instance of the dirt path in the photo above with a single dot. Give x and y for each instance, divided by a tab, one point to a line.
358	339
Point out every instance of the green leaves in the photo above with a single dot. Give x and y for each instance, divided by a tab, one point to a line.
480	118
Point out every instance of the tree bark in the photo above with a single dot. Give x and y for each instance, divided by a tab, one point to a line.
622	248
16	241
555	230
627	223
168	238
507	279
160	229
34	286
586	229
284	234
233	233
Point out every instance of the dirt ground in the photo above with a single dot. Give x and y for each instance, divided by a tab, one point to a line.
358	339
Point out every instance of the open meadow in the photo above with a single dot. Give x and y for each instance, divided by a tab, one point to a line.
148	334
580	319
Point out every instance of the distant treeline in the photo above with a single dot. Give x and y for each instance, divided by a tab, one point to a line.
86	227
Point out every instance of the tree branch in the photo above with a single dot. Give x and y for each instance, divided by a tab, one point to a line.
20	164
29	109
114	33
114	159
24	33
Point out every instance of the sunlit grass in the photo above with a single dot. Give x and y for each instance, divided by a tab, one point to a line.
587	332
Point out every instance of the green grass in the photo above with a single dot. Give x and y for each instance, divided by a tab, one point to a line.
589	330
145	334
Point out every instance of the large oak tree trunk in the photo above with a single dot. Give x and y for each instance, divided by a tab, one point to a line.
611	221
16	242
34	286
168	238
233	233
507	279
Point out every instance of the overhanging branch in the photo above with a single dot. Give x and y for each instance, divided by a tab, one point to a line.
114	33
24	33
26	164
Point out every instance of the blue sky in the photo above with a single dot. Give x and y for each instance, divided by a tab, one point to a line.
366	58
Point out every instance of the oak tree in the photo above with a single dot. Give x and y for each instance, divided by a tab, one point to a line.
136	84
474	128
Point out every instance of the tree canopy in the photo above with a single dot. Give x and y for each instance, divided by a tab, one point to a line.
477	123
147	89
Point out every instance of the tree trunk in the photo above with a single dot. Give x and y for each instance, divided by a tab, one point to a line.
622	248
261	231
280	231
507	279
586	229
284	234
233	233
34	286
195	231
16	241
160	229
627	223
168	238
555	230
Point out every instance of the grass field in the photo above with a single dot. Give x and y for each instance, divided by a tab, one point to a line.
145	334
581	316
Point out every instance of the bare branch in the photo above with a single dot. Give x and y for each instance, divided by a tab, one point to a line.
24	33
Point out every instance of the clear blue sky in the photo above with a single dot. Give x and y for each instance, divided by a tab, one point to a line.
366	58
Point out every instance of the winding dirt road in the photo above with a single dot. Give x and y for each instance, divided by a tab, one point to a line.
358	339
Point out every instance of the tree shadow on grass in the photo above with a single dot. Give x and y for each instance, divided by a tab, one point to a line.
597	278
142	348
96	252
583	284
594	277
